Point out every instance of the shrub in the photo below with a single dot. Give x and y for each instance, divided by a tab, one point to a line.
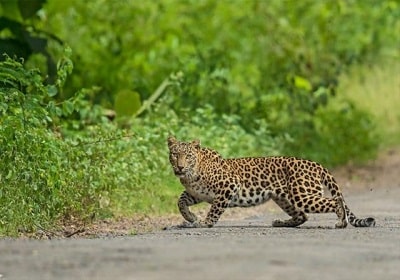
44	178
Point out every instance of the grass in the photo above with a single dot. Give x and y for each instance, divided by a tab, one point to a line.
155	199
377	90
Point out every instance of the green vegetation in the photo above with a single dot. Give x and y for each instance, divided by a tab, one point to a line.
247	78
376	89
43	176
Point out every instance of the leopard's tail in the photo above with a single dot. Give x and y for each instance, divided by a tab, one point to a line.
333	187
357	222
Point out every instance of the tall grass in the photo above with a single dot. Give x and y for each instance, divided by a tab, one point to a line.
376	89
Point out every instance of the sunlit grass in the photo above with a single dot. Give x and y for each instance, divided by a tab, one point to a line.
377	89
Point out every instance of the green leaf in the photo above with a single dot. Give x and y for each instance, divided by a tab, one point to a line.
302	83
67	107
52	90
127	103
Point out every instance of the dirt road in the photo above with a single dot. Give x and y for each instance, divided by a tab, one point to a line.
242	249
237	248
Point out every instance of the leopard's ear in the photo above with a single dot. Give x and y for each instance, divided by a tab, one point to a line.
171	140
196	143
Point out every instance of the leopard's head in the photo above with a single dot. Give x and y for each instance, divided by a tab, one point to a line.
183	156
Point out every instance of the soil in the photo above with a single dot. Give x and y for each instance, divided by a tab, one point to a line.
242	245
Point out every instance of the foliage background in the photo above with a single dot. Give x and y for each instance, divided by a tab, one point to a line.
246	77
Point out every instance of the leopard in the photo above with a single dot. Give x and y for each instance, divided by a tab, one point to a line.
296	185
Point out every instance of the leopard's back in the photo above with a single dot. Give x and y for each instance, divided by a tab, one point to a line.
291	175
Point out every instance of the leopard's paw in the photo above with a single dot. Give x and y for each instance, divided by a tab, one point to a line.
183	225
293	222
201	224
341	224
279	223
186	224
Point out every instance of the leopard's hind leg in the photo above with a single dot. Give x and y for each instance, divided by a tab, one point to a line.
318	204
298	215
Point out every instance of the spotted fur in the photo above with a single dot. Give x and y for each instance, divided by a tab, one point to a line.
296	185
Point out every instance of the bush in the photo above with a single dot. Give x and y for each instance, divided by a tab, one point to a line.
336	135
44	177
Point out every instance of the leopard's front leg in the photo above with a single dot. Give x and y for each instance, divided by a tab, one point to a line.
221	201
186	200
217	208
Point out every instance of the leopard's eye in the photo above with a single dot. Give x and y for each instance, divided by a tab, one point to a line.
174	155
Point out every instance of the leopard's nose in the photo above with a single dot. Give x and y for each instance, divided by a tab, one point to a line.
180	167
